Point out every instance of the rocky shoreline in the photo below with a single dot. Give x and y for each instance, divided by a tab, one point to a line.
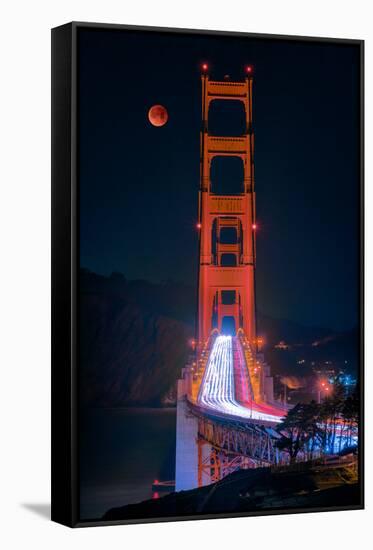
307	485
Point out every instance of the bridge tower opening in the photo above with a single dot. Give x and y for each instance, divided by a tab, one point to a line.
226	221
228	326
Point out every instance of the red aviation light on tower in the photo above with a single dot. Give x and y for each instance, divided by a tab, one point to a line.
198	225
204	67
249	69
254	227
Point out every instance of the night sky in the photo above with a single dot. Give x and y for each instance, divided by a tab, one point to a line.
139	184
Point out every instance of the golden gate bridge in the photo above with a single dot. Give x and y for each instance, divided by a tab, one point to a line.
226	409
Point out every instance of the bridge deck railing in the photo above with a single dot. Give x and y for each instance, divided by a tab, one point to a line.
252	366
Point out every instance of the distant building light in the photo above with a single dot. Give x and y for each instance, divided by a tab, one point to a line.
282	345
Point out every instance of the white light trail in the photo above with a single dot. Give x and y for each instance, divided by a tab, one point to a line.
217	389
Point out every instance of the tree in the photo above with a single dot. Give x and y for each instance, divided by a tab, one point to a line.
350	414
310	424
298	429
330	416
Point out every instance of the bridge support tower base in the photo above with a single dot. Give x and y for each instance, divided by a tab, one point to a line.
186	474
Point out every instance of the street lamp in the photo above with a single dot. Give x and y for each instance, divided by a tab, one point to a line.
323	387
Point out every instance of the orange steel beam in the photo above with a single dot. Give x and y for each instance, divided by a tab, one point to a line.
219	211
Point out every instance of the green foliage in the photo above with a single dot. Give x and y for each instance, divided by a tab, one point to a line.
311	426
298	428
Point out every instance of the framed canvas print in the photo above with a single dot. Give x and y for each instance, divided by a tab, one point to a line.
207	274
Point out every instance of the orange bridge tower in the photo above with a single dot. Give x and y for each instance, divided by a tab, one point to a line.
226	266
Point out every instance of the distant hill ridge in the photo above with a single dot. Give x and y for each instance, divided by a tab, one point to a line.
135	334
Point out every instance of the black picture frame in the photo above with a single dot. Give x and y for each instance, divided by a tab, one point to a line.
65	266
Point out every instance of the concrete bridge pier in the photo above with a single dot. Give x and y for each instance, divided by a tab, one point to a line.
186	474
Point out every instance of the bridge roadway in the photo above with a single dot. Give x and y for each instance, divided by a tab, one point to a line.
217	394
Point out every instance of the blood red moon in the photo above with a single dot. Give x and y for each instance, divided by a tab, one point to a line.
158	115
